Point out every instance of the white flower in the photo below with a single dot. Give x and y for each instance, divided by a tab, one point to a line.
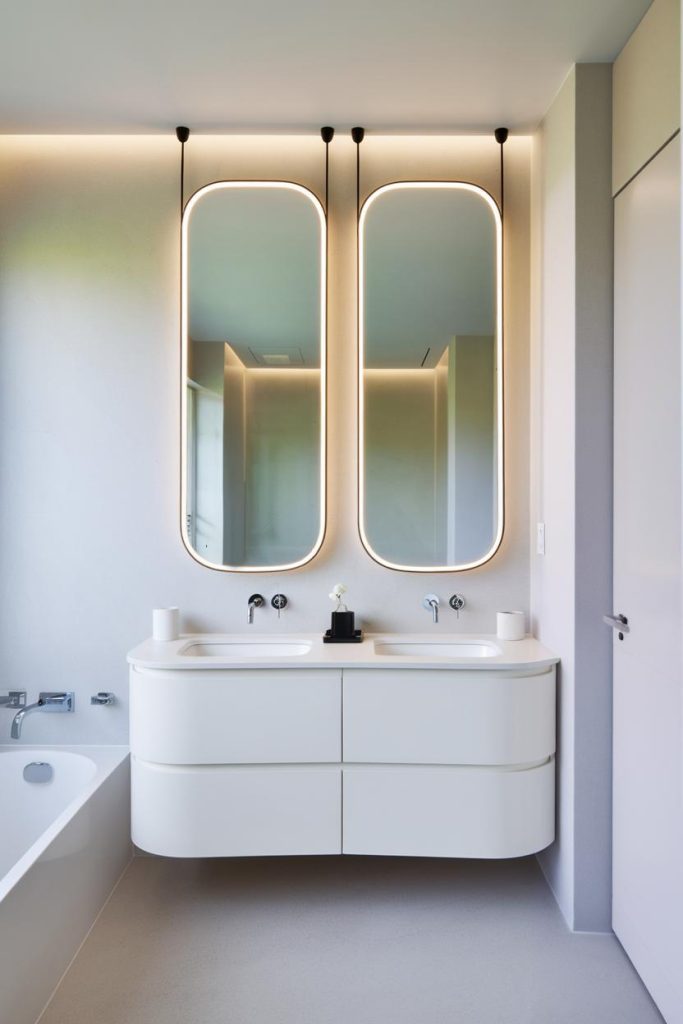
337	592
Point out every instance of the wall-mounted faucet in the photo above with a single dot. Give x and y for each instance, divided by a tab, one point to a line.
49	700
255	601
431	603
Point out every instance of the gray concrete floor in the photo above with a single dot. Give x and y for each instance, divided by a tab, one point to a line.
343	941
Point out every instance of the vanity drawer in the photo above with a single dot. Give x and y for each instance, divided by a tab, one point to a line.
249	716
406	716
447	811
247	811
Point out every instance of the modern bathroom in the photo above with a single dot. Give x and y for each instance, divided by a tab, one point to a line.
341	483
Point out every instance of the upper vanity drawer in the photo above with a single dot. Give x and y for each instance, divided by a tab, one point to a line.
253	716
448	717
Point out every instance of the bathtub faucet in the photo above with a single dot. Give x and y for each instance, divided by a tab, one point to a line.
48	700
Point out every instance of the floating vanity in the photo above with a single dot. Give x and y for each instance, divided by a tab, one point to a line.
400	745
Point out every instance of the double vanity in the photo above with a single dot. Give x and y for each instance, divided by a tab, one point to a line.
399	745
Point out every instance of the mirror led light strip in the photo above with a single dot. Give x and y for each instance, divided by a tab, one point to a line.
500	469
214	186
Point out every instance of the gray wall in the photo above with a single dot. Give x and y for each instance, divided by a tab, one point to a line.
572	480
89	408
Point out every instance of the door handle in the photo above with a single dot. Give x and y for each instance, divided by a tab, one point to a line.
619	622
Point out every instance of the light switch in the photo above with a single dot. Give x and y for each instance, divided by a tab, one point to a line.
540	538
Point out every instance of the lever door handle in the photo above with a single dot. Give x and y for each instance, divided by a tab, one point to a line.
619	622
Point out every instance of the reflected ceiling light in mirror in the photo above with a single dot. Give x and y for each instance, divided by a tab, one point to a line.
322	291
362	370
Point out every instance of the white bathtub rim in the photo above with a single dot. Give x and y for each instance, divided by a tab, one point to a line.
107	759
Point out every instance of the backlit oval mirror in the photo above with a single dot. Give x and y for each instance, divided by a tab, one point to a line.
253	386
430	376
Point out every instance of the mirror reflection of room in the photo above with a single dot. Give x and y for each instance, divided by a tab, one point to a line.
431	444
254	377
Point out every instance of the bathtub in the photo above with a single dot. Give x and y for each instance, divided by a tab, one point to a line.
63	845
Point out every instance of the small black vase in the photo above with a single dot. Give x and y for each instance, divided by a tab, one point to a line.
343	625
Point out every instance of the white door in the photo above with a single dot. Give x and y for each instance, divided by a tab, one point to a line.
648	726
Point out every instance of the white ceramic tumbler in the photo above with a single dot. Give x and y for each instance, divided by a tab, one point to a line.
510	625
165	624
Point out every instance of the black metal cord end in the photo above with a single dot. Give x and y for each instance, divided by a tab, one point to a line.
182	134
358	134
501	135
327	134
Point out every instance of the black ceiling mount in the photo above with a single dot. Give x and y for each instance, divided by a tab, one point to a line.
501	135
327	134
358	134
182	134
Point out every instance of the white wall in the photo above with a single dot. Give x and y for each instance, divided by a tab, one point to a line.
647	98
89	408
571	482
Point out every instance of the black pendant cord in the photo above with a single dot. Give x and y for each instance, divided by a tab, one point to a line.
327	134
358	134
182	134
501	135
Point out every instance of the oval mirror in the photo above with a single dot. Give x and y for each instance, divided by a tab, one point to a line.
430	376
253	381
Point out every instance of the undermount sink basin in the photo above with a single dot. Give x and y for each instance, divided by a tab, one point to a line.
244	650
426	649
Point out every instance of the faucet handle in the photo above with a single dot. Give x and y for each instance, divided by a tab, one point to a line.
13	699
457	603
103	697
57	700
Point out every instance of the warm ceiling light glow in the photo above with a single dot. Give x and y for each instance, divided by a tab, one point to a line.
500	473
192	202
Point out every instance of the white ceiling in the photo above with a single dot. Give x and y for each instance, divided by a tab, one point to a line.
147	65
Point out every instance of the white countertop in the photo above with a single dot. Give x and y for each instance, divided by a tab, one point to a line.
517	655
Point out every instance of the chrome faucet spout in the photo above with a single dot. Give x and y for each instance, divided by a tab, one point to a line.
18	719
431	603
48	700
255	601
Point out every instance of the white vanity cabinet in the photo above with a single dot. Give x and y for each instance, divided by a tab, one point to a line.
236	763
342	751
448	763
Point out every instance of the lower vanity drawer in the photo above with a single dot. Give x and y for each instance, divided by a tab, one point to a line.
246	811
431	811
